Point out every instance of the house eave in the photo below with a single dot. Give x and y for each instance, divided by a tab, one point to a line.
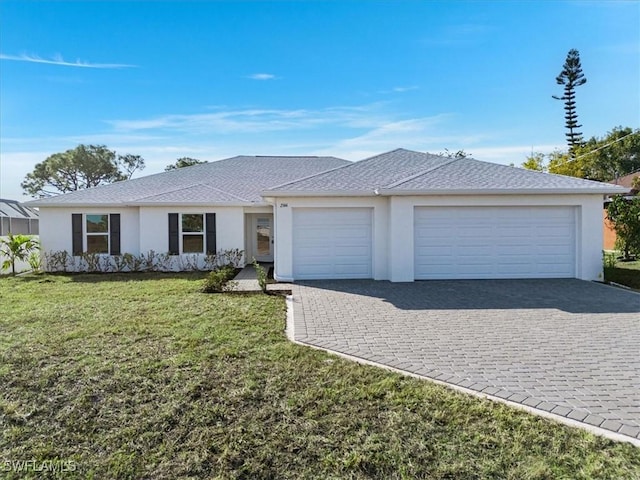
504	191
149	204
270	194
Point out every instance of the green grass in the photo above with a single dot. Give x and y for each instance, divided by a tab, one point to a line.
142	376
624	273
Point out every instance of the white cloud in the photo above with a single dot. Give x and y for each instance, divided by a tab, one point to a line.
405	89
255	120
262	76
58	60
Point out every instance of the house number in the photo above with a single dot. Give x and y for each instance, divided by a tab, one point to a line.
284	205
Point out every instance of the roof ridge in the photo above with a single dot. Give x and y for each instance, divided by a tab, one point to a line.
423	172
224	191
358	162
311	176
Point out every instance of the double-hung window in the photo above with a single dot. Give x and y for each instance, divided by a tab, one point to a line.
192	232
97	233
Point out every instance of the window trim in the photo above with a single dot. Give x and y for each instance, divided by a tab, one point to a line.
201	233
86	234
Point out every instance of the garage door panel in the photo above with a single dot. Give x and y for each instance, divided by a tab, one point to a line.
332	243
494	242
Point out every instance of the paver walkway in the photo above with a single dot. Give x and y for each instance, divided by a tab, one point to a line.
567	347
247	280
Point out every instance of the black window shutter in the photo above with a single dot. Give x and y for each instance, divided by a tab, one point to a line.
210	229
114	233
76	233
174	244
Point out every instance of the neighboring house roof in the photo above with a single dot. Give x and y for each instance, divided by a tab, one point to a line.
405	172
233	181
14	209
627	181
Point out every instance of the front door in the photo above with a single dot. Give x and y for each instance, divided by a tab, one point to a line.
263	237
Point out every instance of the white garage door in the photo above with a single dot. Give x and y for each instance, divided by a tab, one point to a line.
331	243
494	242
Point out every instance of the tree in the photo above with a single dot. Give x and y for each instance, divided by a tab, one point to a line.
129	164
184	162
600	158
615	155
16	247
82	167
535	162
624	215
458	154
571	77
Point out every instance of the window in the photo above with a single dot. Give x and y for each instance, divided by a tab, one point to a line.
97	232
192	233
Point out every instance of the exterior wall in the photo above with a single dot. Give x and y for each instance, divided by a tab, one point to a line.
154	226
609	233
283	221
55	225
393	239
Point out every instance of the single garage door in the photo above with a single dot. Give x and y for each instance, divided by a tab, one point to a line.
494	242
331	243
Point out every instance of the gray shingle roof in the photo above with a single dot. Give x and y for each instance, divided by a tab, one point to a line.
407	172
14	209
237	180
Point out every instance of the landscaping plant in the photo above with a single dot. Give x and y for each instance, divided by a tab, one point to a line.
16	247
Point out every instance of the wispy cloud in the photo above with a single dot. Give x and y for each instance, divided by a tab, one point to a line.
60	61
458	35
252	120
399	89
405	89
262	76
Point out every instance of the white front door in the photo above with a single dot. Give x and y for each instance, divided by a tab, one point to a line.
263	237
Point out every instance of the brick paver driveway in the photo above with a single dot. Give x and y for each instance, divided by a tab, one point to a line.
563	346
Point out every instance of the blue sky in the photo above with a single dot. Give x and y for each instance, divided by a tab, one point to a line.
352	78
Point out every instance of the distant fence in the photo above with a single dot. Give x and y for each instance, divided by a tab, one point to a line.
21	266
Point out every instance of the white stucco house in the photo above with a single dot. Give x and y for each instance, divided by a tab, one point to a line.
399	216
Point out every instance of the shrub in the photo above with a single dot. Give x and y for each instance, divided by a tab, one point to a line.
220	280
261	273
609	259
35	261
624	214
16	247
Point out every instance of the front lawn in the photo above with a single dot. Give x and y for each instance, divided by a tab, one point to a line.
624	273
142	376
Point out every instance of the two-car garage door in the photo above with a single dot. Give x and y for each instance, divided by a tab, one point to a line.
332	243
494	242
449	242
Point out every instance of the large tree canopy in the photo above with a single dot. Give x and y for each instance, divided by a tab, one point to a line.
184	162
82	167
613	155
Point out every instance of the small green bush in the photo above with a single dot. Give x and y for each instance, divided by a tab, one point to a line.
220	280
261	273
609	259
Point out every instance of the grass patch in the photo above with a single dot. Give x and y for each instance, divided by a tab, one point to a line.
142	376
624	273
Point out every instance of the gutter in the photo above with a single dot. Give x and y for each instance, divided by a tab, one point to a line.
389	192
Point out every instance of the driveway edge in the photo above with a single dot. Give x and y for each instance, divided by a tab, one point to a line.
290	330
